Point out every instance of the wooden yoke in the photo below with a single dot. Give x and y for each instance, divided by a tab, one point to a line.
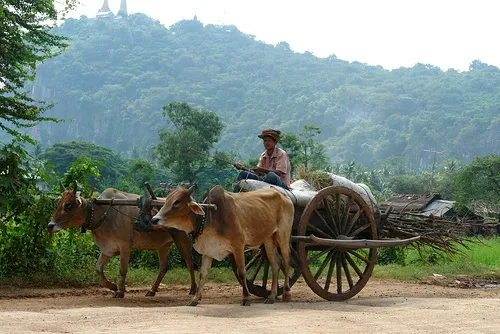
145	203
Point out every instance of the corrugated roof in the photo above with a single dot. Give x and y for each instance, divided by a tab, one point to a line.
408	202
438	208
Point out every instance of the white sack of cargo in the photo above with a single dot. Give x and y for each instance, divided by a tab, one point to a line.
360	188
302	192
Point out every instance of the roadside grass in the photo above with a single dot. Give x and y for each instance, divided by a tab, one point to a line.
480	259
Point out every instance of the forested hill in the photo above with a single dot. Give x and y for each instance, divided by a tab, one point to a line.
117	74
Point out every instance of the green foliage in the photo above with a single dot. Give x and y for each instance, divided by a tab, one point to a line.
17	180
80	172
304	149
74	256
185	148
25	40
117	74
24	246
62	155
391	255
137	172
478	185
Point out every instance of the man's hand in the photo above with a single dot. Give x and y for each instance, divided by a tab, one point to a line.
259	170
239	166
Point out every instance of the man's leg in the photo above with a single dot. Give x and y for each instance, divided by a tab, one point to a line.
273	178
245	175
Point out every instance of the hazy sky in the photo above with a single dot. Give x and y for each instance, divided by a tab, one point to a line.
391	33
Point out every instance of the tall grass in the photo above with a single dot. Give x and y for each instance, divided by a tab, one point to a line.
481	259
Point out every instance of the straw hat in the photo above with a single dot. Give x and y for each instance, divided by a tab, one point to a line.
274	134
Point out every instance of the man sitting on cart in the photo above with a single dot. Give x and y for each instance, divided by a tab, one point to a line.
273	166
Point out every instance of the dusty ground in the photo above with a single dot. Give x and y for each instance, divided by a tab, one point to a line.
384	306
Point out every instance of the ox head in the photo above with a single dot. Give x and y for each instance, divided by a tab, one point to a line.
178	211
70	211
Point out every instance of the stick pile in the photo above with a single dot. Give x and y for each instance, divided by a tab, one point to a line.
437	233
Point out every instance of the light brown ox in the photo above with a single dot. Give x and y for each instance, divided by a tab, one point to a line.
113	232
244	219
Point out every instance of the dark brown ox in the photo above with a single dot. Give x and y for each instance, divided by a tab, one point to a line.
113	232
244	219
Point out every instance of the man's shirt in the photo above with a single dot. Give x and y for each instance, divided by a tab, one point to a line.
279	161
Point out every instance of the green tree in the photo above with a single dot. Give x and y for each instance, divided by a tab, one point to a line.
80	172
304	148
478	185
185	147
25	41
138	172
61	155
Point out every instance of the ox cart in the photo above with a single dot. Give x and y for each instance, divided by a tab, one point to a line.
334	240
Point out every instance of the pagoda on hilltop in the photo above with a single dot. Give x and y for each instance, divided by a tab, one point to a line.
123	9
104	12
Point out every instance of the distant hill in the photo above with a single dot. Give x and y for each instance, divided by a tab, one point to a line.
117	74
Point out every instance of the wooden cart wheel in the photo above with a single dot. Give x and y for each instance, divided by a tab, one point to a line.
259	273
337	274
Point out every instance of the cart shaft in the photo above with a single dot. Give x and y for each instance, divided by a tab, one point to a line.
352	244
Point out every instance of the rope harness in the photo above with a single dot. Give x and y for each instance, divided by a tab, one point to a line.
201	222
89	206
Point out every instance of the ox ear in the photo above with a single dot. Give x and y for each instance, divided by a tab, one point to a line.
79	198
196	208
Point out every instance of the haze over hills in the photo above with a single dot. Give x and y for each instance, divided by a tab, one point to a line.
117	74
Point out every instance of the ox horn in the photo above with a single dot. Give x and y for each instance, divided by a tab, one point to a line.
191	189
75	187
62	186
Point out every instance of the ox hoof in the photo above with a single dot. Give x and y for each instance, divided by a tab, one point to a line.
245	303
150	293
269	300
113	287
287	298
193	290
119	294
192	303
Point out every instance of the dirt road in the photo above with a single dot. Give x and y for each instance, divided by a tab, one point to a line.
382	307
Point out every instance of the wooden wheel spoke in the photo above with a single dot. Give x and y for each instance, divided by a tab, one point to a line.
360	229
317	230
323	265
347	272
329	212
332	233
266	274
341	212
317	256
339	276
353	220
257	268
260	267
330	272
365	260
252	260
338	202
346	216
353	265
